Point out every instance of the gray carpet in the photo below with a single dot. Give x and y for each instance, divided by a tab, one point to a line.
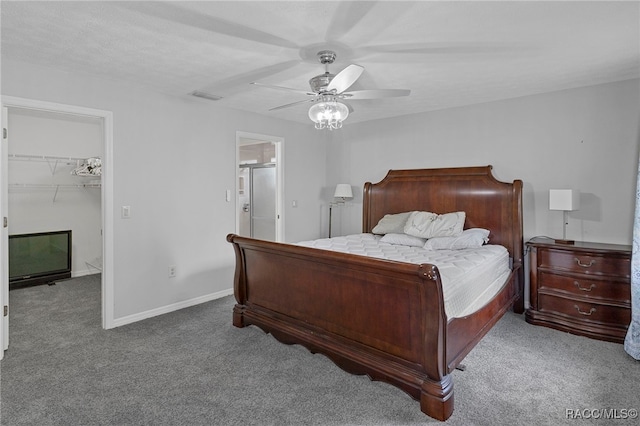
192	367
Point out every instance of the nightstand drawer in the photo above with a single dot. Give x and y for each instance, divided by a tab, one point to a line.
584	311
584	286
585	263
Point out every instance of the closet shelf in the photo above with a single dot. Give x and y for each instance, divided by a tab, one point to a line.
55	187
27	157
89	166
83	167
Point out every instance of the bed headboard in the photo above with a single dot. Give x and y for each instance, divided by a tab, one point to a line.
487	202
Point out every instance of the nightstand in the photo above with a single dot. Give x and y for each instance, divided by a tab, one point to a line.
582	288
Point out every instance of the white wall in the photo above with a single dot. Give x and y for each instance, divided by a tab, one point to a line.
584	138
41	209
174	159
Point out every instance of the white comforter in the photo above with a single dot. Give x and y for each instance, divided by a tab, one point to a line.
470	277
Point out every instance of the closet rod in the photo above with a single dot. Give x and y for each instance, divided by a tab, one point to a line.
28	157
53	185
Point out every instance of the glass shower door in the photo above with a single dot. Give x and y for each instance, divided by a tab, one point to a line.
259	201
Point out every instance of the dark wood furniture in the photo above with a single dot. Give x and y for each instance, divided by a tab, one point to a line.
383	318
582	288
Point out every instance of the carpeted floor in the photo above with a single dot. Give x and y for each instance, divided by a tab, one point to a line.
192	367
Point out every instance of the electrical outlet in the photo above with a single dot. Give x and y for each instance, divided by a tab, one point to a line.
172	271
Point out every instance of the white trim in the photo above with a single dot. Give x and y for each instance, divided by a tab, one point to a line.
280	192
4	239
171	308
108	286
83	273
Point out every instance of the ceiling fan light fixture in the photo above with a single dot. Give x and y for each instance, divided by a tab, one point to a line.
329	89
328	114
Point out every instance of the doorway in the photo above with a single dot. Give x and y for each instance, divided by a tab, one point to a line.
103	193
259	187
257	217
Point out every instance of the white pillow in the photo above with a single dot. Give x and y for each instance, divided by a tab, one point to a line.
391	224
470	238
430	225
403	239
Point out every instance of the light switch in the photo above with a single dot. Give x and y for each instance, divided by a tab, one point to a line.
228	195
126	212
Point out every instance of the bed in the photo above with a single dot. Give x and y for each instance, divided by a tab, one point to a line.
385	318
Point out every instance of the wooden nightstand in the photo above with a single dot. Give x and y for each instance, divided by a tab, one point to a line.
583	288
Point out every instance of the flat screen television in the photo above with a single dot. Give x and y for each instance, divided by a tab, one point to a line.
39	258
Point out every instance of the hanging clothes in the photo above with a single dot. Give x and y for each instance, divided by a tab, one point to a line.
90	167
632	340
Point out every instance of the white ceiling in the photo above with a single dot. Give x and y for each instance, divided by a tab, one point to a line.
448	53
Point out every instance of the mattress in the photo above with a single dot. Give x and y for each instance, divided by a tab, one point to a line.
470	277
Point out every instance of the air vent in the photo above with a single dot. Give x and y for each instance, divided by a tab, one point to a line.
206	95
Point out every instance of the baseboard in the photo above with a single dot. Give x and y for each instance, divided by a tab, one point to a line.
118	322
75	274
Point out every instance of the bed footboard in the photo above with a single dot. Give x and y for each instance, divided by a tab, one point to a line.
369	316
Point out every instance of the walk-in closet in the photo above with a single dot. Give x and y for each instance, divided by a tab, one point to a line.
54	186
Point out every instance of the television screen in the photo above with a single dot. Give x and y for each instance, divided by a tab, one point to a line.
40	257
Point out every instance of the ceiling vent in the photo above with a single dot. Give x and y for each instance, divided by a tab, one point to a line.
205	95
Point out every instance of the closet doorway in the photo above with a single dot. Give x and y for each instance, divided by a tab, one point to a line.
46	183
259	187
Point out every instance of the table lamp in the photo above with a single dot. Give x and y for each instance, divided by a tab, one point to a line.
342	194
566	200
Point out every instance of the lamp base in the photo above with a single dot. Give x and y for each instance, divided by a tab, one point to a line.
568	242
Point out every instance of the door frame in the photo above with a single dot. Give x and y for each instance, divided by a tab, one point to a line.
279	145
4	236
107	292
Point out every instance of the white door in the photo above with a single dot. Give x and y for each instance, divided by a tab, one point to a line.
263	190
4	237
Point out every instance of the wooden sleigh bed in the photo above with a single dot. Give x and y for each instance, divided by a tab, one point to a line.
382	318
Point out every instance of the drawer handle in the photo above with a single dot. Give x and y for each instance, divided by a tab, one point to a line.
577	284
592	310
585	265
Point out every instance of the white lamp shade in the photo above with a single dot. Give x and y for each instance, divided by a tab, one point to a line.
343	190
564	199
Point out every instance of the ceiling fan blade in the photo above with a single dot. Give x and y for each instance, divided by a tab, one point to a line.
174	12
230	85
376	94
289	89
346	17
291	104
345	78
437	48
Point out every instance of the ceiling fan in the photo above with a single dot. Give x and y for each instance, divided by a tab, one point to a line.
328	90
